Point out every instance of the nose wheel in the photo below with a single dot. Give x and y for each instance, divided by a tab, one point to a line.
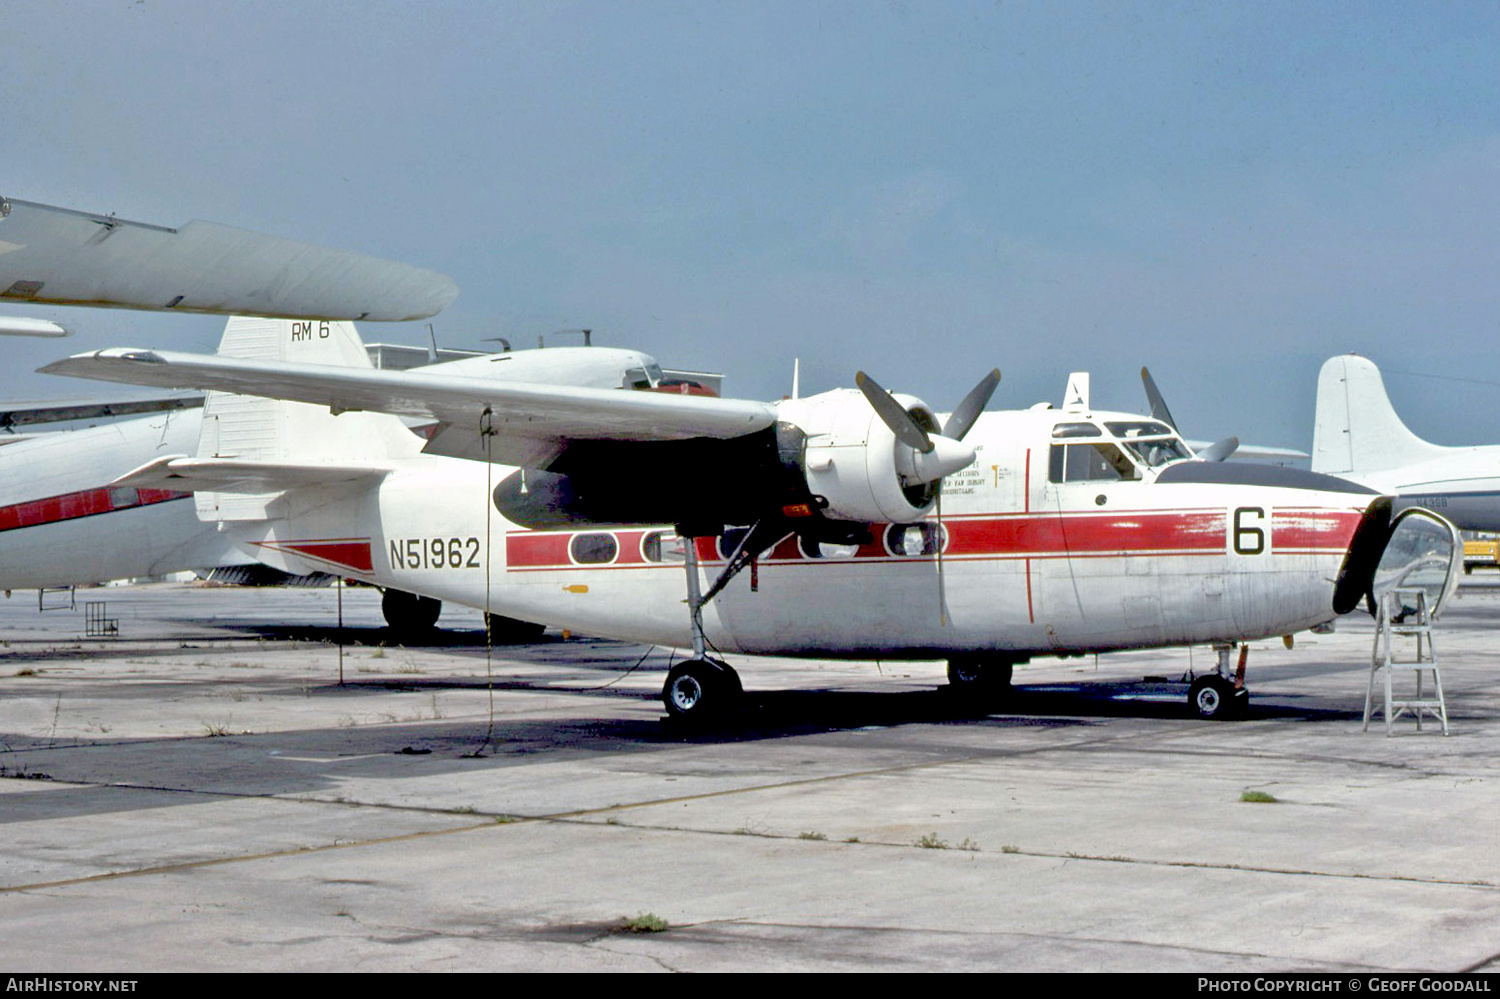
700	690
1216	696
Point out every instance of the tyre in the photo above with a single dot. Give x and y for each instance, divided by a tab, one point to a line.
408	613
1213	697
979	676
504	630
700	690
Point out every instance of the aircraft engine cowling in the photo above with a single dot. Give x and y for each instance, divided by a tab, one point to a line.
855	463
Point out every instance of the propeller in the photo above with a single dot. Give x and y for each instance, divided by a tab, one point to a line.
894	415
1159	410
962	418
935	455
1217	451
927	456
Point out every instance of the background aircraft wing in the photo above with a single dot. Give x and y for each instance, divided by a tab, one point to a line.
531	423
59	256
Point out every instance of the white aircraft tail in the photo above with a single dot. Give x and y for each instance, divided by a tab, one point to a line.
249	429
1356	429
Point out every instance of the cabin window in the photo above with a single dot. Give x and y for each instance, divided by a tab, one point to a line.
636	378
1099	462
926	538
825	549
593	549
663	546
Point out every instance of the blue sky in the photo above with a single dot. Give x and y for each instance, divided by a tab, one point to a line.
1229	193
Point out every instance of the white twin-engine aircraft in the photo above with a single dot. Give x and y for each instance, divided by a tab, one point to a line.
869	527
852	523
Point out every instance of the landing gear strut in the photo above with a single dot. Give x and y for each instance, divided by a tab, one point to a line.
702	688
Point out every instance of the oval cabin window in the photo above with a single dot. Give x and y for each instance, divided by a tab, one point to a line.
593	549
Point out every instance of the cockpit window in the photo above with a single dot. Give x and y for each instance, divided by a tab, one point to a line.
636	378
1155	444
1138	428
1076	430
1098	462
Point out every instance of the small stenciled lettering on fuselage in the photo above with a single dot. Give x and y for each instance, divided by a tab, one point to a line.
435	553
309	330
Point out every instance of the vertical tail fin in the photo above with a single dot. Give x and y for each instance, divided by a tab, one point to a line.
255	429
1356	429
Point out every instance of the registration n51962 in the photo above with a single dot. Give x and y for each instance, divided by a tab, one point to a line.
435	553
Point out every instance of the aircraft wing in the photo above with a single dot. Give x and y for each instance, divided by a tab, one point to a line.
1279	454
64	412
532	423
59	256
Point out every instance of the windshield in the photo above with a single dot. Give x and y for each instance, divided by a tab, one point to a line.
1153	443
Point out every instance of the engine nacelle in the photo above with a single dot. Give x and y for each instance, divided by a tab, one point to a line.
852	460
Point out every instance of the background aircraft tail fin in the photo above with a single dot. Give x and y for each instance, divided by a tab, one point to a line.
1356	429
251	429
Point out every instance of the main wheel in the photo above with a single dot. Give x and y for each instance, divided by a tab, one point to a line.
409	613
509	631
980	676
1216	698
700	689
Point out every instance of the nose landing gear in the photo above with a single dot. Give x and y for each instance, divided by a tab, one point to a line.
1221	695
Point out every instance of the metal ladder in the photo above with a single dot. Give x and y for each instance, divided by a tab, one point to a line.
1404	613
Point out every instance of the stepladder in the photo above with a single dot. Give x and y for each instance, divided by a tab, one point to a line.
1404	645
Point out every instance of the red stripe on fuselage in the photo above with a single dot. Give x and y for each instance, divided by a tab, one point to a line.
351	553
84	503
1134	532
1087	534
1312	530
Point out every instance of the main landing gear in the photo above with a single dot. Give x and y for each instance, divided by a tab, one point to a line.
413	617
703	689
1221	695
982	679
409	614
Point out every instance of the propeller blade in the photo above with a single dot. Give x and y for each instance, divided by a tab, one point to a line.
962	418
893	414
1219	450
1159	408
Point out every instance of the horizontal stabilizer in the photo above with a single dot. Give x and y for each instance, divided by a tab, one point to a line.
228	475
62	257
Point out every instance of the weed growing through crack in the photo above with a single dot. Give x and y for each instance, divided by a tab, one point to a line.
932	842
1259	798
645	922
